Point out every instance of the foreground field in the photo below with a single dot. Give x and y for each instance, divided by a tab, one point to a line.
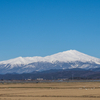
50	91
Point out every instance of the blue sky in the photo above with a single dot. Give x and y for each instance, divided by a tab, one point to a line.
44	27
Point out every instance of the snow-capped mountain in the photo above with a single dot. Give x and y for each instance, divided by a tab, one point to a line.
63	60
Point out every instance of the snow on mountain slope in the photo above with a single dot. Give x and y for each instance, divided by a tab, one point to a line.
66	56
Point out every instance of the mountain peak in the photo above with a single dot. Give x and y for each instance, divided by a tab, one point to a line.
70	51
67	59
65	56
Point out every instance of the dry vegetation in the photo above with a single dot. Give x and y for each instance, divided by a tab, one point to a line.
50	91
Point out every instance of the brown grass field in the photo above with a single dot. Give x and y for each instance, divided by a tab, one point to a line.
50	91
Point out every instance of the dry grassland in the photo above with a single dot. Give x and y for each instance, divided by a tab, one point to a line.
51	91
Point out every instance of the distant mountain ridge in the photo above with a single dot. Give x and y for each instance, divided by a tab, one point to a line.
55	74
62	60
